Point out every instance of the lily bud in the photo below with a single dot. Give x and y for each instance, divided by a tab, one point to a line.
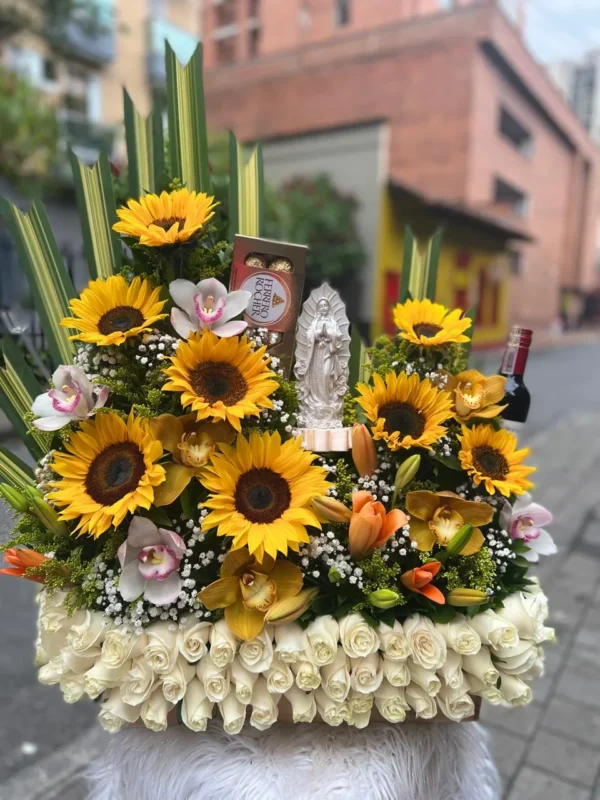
49	517
331	509
406	472
383	598
32	492
466	597
14	498
363	450
290	608
459	541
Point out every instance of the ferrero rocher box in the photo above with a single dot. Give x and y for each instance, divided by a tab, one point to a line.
273	272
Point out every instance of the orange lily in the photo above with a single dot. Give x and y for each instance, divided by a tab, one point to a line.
363	450
248	591
475	395
436	517
419	580
370	525
191	444
21	560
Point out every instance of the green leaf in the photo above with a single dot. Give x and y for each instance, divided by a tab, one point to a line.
14	471
358	364
432	258
472	611
444	615
246	191
144	137
520	562
188	140
451	462
419	271
49	281
18	388
519	546
471	314
410	258
97	213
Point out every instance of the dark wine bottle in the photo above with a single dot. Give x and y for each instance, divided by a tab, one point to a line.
517	398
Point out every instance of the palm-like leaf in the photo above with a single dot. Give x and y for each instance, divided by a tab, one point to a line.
145	149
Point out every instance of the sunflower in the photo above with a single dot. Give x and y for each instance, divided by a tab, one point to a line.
108	471
112	310
261	493
172	218
222	379
430	324
407	411
491	457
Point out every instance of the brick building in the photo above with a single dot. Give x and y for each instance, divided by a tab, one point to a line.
460	115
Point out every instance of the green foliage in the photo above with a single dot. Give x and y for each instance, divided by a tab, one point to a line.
475	572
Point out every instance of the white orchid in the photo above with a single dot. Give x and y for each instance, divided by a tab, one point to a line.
207	305
524	521
72	399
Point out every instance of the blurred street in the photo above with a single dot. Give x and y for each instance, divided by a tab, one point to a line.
549	750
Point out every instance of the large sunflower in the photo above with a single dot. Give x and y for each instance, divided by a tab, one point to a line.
112	310
490	457
261	493
407	411
108	471
222	379
430	324
169	219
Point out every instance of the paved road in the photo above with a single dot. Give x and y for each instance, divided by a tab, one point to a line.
530	744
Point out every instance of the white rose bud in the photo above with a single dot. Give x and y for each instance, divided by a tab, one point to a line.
528	613
100	677
72	687
41	656
174	683
358	638
490	693
514	690
161	650
216	681
121	645
279	677
243	681
367	673
257	654
115	714
155	710
518	660
425	678
222	644
393	641
74	662
421	703
193	638
87	637
304	707
53	612
451	670
427	646
330	711
264	706
335	677
233	713
391	702
360	703
396	672
307	675
323	636
494	630
460	636
456	704
481	666
138	685
291	642
361	720
52	672
196	708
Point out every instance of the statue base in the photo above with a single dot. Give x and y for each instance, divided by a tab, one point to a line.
326	440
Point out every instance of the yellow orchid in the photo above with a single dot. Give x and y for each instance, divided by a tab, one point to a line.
475	395
191	444
437	517
248	591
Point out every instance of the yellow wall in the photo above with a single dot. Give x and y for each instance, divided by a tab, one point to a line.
451	278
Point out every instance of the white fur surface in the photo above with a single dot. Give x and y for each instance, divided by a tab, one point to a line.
299	762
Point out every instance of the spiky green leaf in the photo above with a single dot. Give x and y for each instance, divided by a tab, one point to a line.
432	258
144	137
14	471
472	315
419	270
358	367
18	388
410	264
246	190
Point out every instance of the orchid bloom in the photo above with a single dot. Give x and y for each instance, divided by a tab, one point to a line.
21	559
476	395
524	521
437	517
419	580
72	399
371	526
150	559
207	306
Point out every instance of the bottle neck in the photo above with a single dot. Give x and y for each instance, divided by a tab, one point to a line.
514	361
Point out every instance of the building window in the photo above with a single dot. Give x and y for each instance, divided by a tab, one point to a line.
254	42
342	13
226	50
253	8
517	134
224	13
507	195
49	70
515	261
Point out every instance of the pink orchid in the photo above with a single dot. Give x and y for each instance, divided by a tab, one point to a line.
150	559
524	521
72	399
207	306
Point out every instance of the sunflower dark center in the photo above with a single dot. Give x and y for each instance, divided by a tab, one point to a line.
490	462
115	472
121	318
166	223
262	495
426	329
214	381
403	417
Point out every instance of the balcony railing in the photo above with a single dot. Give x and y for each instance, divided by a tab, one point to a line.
88	34
182	42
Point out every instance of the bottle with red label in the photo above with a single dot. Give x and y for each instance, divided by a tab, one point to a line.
517	398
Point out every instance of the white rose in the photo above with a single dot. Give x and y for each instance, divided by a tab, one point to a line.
425	678
222	644
139	682
421	703
514	690
537	670
52	672
528	613
518	660
72	687
41	657
481	666
243	681
304	706
460	636
361	720
330	711
216	681
233	713
490	693
396	672
100	677
335	677
53	612
367	673
427	646
155	710
161	650
53	642
451	670
279	677
307	675
323	635
358	638
196	708
121	645
87	637
115	714
174	683
291	642
494	630
456	704
360	703
74	662
193	638
257	654
393	641
391	702
264	706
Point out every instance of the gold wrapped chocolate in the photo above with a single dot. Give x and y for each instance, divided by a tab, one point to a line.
256	260
281	265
